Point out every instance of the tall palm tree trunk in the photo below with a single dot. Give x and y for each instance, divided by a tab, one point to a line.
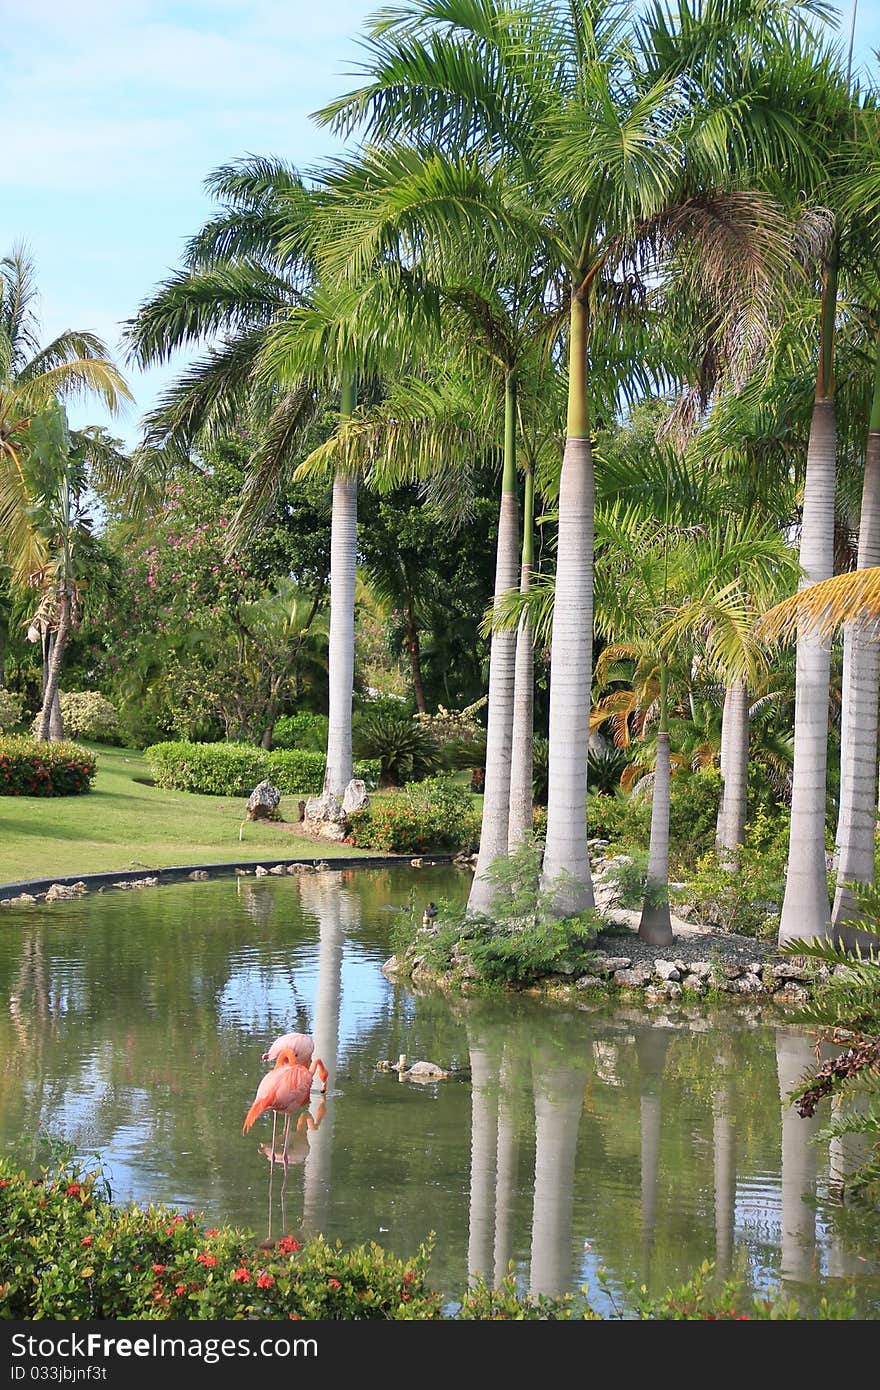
858	771
414	650
735	775
343	562
521	823
50	693
805	905
502	660
566	868
654	924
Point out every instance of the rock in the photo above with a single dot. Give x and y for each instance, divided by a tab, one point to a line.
322	867
263	802
701	968
277	869
692	984
325	818
384	1065
425	1071
666	970
749	984
21	900
198	874
607	965
355	796
391	966
636	978
416	863
60	892
261	872
730	970
655	994
673	990
241	873
789	970
755	967
589	982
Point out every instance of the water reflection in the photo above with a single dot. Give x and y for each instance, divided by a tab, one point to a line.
565	1140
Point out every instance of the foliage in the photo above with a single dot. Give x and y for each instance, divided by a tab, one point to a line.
88	714
604	768
436	814
406	749
70	1254
11	710
524	940
458	734
32	768
746	899
540	769
306	731
623	820
233	769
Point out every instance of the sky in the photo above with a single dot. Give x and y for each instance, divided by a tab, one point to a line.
113	113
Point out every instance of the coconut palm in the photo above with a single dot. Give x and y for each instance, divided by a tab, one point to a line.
43	468
596	154
244	272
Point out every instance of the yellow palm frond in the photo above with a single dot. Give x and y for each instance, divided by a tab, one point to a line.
823	608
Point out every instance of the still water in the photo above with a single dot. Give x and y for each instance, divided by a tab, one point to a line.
569	1140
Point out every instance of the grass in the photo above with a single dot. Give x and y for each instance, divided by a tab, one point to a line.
123	823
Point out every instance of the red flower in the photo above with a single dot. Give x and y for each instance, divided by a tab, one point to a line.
87	1240
158	1269
212	1233
74	1189
405	1297
288	1245
334	1284
241	1276
180	1290
265	1281
209	1261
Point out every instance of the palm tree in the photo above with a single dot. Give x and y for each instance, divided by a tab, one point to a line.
595	154
43	468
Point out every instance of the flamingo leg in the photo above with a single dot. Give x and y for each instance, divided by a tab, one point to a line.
286	1145
274	1123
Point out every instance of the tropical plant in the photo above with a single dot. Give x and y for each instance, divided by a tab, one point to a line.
405	749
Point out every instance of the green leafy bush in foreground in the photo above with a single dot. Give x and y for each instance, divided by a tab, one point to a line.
31	768
68	1253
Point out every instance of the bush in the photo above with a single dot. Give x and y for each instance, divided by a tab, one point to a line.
406	750
434	814
747	899
11	710
233	769
29	768
304	731
86	714
139	727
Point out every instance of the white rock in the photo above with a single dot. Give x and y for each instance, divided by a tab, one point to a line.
355	797
666	970
261	872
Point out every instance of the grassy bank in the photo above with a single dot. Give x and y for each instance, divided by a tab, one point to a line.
123	823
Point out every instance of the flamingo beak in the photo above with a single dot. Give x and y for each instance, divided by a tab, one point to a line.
265	1057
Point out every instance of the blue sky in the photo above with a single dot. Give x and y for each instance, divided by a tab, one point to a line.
114	111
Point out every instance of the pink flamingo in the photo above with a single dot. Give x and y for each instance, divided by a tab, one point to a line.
284	1090
301	1044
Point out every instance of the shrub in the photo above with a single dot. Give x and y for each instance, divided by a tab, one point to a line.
233	769
139	727
746	899
30	768
305	731
406	750
11	710
87	714
540	769
458	734
434	814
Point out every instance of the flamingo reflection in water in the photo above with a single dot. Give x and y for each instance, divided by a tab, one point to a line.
284	1090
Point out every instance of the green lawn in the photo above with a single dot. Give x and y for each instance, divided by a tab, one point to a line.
124	824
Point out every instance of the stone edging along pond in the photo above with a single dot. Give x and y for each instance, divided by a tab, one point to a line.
58	889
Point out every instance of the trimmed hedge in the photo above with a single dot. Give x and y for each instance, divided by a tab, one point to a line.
68	1253
30	768
234	769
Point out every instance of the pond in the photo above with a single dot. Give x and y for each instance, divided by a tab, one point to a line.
567	1141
